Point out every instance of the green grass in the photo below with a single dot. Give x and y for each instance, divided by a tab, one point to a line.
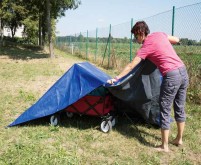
78	140
120	57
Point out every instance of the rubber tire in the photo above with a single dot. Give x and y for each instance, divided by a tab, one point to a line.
54	120
106	126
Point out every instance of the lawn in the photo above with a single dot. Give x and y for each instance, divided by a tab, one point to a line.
26	74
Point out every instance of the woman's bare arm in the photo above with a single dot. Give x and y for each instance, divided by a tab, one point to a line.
173	39
126	70
129	67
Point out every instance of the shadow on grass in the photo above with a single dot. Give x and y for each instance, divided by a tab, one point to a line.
81	122
24	52
129	127
124	126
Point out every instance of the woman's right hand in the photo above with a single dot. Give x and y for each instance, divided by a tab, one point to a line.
112	81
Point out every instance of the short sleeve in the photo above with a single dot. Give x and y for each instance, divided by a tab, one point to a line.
142	53
146	49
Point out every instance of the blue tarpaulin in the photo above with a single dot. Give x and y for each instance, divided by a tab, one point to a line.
78	81
139	90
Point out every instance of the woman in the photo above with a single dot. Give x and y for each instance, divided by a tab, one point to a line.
157	48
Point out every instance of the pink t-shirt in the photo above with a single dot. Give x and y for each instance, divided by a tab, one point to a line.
158	49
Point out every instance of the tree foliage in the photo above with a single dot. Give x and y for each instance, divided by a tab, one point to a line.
12	13
37	16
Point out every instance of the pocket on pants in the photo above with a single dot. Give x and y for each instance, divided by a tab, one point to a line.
171	84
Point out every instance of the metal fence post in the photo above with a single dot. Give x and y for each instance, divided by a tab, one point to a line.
173	16
131	41
109	45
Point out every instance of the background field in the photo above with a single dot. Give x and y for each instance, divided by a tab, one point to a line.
26	74
119	57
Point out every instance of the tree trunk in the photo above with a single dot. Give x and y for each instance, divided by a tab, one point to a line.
13	30
39	31
1	34
43	36
49	28
1	28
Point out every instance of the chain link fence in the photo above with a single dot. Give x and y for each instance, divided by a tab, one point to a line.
112	47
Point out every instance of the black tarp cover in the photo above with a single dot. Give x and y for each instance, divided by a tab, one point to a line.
139	90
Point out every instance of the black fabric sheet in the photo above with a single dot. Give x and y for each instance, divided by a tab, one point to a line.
139	90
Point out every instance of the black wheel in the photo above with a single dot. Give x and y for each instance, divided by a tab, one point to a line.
106	126
69	114
54	120
114	121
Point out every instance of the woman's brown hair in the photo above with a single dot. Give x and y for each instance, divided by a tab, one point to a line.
140	28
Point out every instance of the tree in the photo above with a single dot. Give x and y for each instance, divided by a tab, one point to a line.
55	9
34	21
48	12
1	27
37	16
186	41
12	13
